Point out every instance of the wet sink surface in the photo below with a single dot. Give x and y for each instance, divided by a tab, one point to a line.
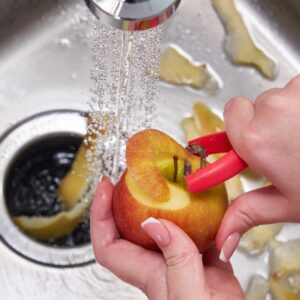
45	63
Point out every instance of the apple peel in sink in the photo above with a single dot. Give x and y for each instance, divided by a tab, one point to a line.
178	68
154	186
72	193
44	228
239	43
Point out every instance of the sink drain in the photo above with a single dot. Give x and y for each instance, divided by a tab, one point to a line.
34	156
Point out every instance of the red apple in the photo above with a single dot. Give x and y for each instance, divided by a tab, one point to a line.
151	187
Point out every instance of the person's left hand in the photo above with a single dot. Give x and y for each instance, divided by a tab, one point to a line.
177	273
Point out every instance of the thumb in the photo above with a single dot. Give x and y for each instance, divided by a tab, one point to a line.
185	272
262	206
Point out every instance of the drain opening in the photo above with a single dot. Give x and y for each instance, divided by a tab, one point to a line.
35	155
32	183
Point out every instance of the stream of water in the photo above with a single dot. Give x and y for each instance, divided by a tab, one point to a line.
124	93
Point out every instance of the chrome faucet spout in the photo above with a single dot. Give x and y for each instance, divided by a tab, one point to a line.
133	15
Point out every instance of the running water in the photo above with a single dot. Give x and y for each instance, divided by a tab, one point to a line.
124	93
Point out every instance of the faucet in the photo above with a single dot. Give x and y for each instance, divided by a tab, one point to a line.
133	15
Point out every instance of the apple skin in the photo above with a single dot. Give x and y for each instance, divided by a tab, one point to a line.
200	218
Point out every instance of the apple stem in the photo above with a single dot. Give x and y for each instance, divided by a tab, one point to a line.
175	158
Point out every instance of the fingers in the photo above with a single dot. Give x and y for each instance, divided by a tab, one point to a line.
103	228
185	273
238	113
267	97
263	206
250	125
121	257
293	85
211	259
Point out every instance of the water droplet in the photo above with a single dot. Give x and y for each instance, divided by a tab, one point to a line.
64	43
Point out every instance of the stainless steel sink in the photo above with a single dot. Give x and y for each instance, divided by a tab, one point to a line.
44	66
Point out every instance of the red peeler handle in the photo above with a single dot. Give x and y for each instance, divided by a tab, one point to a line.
219	171
213	143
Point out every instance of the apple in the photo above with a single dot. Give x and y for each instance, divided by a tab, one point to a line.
154	186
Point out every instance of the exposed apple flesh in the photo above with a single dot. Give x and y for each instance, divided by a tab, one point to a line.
142	159
166	162
137	194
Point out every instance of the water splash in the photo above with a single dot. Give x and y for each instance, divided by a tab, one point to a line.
124	93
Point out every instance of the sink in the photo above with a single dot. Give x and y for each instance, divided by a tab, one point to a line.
45	67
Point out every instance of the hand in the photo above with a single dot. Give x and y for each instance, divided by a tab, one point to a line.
266	134
178	273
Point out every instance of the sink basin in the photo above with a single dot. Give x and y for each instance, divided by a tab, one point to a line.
45	65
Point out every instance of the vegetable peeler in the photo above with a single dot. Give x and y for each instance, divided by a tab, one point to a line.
219	171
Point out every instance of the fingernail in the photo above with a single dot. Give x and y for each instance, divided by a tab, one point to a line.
229	247
157	231
101	191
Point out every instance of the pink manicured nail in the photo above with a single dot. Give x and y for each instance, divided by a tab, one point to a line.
157	231
102	190
229	246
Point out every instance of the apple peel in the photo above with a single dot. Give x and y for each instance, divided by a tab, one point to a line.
258	288
239	43
190	130
44	228
256	239
234	187
285	271
178	68
74	183
206	120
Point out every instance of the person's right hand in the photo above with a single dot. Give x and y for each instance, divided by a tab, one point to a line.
266	134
